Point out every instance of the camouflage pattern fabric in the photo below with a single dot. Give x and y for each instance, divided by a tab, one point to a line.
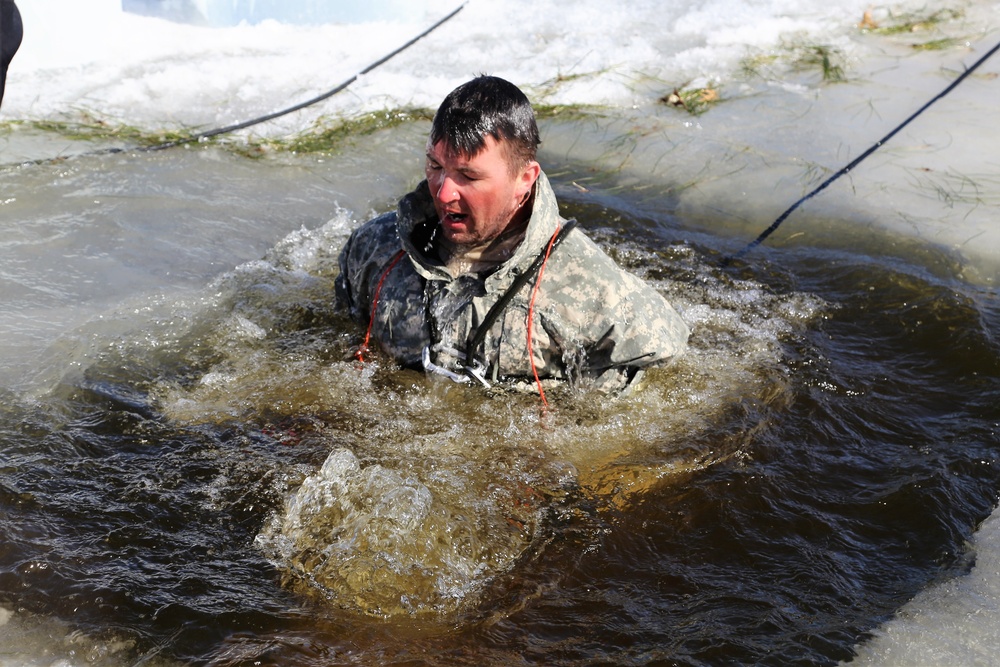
595	325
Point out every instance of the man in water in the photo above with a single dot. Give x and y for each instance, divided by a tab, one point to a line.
477	277
11	32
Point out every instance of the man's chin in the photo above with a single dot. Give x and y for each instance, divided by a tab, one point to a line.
457	234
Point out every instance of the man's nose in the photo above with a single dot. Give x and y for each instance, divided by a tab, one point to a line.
447	191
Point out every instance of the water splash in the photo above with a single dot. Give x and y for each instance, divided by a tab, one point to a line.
380	541
430	493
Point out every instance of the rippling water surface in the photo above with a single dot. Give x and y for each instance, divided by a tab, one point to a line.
193	469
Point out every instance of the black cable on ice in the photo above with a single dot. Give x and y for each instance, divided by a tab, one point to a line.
302	105
271	116
856	161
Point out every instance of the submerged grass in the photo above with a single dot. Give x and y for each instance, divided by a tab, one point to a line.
328	134
939	44
913	23
758	65
564	111
953	188
91	128
827	61
325	136
551	86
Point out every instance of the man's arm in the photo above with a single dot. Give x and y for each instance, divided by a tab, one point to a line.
367	252
343	294
622	324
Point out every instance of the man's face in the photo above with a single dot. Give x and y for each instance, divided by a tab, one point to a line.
476	197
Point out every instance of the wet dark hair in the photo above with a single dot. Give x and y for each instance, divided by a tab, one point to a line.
487	105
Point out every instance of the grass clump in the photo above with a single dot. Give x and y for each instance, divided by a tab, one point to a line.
826	60
909	23
757	65
327	134
939	44
914	24
91	128
323	137
695	101
550	87
562	111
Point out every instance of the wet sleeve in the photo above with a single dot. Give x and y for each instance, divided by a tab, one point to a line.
645	331
621	323
369	247
343	290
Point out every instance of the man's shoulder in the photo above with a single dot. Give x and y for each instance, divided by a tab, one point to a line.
369	247
378	227
375	237
583	265
595	295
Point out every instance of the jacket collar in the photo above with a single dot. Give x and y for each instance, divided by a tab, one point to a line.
417	222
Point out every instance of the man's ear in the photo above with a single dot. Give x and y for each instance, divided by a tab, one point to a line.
529	174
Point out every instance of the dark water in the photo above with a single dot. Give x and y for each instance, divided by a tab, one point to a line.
823	453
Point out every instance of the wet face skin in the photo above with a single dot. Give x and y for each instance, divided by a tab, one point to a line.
477	197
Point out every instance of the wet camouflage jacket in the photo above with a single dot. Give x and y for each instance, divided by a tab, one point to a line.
594	324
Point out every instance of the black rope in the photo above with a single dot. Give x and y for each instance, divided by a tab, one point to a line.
501	304
319	98
302	105
854	163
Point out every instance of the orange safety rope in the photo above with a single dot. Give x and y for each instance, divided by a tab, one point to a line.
531	316
363	350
